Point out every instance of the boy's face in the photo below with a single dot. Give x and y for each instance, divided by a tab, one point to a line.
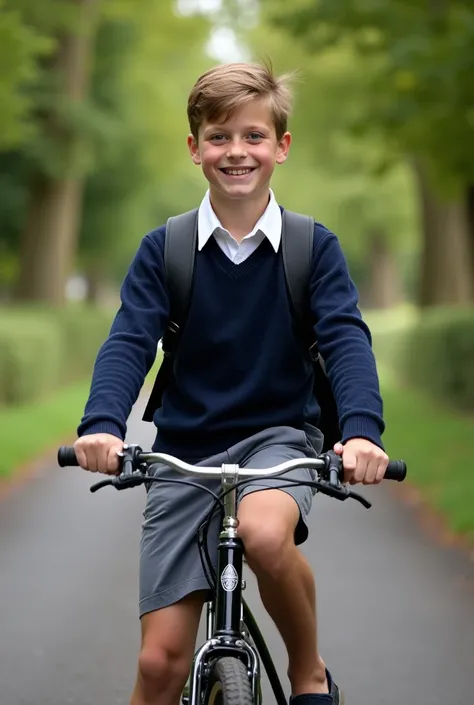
238	155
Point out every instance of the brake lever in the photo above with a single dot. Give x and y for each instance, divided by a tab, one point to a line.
338	492
99	485
121	482
341	492
358	497
333	484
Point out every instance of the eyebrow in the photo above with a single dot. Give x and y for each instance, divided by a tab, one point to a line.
222	128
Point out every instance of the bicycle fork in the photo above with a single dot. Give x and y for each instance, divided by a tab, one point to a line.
226	633
218	646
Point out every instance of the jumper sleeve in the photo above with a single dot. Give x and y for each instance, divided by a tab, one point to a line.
130	349
344	341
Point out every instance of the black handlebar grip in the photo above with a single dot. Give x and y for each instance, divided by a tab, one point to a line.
396	470
67	456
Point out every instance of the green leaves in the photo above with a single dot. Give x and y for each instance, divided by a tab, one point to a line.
145	65
341	168
423	92
20	49
125	136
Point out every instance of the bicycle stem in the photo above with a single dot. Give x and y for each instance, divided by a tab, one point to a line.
230	478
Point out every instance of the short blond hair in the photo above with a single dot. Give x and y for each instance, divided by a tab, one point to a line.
222	89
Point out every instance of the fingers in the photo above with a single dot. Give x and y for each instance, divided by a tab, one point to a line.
369	471
99	453
113	461
363	461
81	455
350	463
381	468
370	475
98	459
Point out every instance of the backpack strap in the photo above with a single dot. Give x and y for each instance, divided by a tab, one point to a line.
179	255
180	250
297	251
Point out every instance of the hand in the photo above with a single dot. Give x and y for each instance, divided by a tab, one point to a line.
98	452
363	461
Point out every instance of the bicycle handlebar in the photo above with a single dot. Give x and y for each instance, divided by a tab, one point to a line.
396	469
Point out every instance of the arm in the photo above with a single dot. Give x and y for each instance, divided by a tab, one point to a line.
130	349
344	342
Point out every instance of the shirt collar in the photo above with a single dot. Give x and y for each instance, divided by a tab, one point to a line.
269	223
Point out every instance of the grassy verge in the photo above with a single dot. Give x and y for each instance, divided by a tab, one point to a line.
28	431
438	446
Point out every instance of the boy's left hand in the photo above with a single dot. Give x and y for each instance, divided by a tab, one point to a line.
363	461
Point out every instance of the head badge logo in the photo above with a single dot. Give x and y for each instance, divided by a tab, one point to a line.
229	578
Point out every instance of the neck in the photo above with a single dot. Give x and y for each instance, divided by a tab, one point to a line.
239	216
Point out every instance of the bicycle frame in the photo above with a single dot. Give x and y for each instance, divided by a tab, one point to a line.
228	617
231	627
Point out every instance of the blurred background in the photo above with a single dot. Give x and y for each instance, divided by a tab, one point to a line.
93	155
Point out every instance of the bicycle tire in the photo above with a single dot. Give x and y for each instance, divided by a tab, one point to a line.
229	683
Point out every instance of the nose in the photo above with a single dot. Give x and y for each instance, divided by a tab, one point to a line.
236	150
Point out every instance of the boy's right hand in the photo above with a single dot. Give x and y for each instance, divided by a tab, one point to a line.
98	452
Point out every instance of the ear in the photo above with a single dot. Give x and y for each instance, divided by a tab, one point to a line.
194	149
283	148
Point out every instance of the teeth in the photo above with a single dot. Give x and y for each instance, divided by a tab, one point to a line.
237	172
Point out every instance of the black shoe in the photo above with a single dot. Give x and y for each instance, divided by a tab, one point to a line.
334	690
334	697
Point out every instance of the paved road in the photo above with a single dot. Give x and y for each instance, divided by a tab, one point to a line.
396	612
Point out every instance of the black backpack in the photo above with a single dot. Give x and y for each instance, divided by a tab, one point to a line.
297	249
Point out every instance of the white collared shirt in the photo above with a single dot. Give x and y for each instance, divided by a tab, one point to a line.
269	226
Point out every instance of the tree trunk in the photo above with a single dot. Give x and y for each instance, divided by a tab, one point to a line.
50	235
445	276
47	246
94	278
384	290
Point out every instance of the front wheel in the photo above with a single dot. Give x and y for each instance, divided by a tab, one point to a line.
229	683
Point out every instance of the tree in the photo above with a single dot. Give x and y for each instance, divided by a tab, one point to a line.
336	174
115	143
142	173
422	101
55	193
21	47
27	32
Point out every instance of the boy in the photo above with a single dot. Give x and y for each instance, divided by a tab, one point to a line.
243	389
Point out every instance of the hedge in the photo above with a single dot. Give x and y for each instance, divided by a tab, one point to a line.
43	349
433	352
438	356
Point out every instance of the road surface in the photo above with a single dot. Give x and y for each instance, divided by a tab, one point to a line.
396	612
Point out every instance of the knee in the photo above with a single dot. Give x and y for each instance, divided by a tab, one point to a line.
162	669
268	542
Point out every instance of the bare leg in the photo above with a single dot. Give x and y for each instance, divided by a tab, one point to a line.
168	640
285	581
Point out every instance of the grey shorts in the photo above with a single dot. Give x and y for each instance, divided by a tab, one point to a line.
170	565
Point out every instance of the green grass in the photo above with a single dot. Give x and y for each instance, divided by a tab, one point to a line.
395	319
438	447
28	431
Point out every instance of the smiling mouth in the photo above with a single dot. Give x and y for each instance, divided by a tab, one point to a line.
242	171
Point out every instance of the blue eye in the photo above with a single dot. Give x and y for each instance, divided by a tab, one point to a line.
218	138
255	136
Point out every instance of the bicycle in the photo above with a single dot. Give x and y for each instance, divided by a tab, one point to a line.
226	668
